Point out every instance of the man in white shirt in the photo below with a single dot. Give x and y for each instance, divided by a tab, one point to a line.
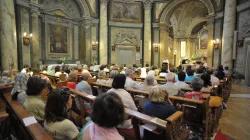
25	68
181	84
214	80
130	83
169	86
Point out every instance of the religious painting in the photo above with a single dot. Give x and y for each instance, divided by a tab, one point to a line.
125	12
204	39
58	39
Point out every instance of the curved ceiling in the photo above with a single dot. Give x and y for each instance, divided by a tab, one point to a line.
185	14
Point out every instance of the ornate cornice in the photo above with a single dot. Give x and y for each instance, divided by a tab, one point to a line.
104	2
147	4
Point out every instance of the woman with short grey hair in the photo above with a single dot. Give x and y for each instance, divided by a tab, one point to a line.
112	75
196	94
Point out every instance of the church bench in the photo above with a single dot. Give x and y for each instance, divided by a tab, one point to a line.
53	79
16	114
174	128
197	113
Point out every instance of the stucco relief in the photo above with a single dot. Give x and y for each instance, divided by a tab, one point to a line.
244	23
127	38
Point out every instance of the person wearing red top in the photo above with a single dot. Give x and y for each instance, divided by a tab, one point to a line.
197	84
72	80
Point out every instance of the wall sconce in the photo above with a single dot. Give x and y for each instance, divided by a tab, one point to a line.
156	46
216	43
26	39
94	44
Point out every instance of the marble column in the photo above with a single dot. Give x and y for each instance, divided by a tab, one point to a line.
228	31
188	53
103	52
88	42
210	47
147	31
176	51
36	50
8	41
164	37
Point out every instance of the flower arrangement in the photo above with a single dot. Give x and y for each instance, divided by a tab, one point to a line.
62	60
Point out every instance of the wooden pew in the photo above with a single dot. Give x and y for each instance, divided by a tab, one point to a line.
172	127
17	114
200	108
53	79
210	118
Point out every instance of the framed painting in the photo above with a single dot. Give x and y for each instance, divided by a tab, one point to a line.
125	12
58	41
204	39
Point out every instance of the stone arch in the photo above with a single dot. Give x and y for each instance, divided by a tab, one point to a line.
81	6
169	9
193	24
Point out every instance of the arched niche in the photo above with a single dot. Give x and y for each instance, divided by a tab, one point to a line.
63	19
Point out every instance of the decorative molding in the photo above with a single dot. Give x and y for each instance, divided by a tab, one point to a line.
147	4
211	19
243	6
219	15
156	25
164	27
122	24
104	2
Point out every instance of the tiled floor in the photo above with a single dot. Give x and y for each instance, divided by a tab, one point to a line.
235	121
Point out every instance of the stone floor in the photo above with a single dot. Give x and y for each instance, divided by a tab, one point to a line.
235	121
237	89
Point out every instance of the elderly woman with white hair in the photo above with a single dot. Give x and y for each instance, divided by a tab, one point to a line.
169	86
112	75
130	83
149	82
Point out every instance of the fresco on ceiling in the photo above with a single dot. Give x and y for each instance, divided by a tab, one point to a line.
125	12
58	39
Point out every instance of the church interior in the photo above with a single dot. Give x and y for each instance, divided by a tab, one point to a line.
124	69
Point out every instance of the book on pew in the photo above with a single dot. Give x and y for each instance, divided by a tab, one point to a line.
29	121
159	121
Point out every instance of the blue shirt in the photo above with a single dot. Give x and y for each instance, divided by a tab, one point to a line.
190	78
159	109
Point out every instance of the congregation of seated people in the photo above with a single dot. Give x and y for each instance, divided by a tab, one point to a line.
51	107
